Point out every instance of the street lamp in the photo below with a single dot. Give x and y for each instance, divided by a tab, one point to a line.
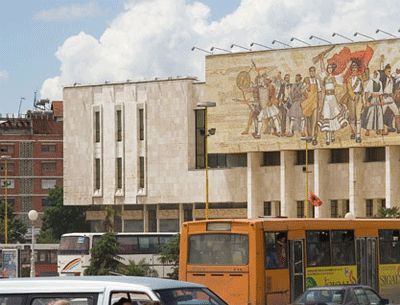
33	216
5	185
207	132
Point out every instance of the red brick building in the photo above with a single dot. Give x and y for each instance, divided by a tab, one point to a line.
32	146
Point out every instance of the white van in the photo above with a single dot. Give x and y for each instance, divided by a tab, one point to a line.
104	290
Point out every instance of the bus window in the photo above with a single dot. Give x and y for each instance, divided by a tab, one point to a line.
127	244
318	248
74	245
389	245
218	249
275	250
148	244
343	251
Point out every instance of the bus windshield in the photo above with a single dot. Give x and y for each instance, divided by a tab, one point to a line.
74	245
218	249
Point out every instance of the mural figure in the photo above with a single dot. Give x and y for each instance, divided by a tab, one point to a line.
373	106
295	113
311	106
284	102
333	114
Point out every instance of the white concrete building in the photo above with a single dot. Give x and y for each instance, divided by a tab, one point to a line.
139	147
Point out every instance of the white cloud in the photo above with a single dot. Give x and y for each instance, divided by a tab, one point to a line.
3	74
68	12
154	37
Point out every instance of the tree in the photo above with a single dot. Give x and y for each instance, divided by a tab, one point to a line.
59	219
138	269
170	255
393	212
104	258
16	228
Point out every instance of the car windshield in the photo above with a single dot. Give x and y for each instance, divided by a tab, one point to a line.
188	296
332	296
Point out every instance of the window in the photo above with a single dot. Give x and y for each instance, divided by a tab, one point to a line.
9	183
141	174
119	173
369	207
46	202
148	244
375	154
276	250
74	245
218	249
267	208
366	296
334	208
383	203
10	299
97	126
10	167
133	225
343	248
48	148
181	296
339	155
7	149
236	160
216	160
169	225
48	167
128	244
48	183
141	124
278	208
271	158
73	299
188	213
200	138
389	246
121	298
346	208
300	209
119	125
301	157
97	174
318	248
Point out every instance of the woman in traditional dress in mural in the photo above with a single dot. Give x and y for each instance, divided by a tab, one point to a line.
333	114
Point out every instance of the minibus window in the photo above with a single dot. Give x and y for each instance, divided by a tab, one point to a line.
389	246
12	299
74	245
218	249
276	250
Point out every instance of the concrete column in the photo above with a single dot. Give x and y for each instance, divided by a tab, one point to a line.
392	176
158	217
288	204
321	182
357	202
181	215
145	219
254	202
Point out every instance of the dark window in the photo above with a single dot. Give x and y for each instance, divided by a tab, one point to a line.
278	208
216	160
97	126
141	173
133	225
389	246
48	167
152	219
276	250
318	248
300	209
48	147
169	225
9	299
236	160
218	249
10	167
188	213
334	208
141	124
375	154
339	155
343	249
46	202
200	138
148	244
7	149
97	174
347	206
119	173
383	203
271	158
301	157
128	244
369	207
119	125
267	208
74	245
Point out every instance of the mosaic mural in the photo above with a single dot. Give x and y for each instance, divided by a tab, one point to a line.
330	96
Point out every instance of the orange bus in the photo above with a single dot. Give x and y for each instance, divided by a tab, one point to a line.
272	261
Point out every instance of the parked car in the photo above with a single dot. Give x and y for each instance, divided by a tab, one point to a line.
104	290
341	295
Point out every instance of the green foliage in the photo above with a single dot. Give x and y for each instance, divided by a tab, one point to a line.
393	212
138	269
16	228
170	255
59	219
104	259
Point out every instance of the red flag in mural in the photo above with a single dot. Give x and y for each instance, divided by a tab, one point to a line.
315	200
341	59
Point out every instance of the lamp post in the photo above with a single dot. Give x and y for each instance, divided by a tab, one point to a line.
5	185
306	194
207	132
33	216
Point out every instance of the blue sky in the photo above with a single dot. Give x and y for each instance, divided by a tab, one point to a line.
29	38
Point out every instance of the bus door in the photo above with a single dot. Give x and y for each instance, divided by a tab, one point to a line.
367	261
296	265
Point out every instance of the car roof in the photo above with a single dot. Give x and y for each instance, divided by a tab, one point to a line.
92	283
339	287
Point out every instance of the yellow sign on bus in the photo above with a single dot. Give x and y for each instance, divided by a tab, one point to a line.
331	275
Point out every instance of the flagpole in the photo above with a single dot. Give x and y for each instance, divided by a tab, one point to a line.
306	188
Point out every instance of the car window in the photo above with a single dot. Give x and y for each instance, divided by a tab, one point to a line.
63	300
12	299
334	296
361	296
373	298
127	298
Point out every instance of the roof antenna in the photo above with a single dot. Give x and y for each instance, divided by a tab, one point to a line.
19	107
